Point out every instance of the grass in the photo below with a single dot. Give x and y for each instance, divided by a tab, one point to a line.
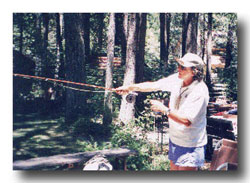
36	136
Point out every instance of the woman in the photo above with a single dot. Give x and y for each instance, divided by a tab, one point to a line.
186	112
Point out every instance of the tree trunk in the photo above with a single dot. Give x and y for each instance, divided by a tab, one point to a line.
60	53
192	27
201	36
229	46
125	25
165	19
127	109
75	63
203	43
167	40
124	37
184	33
20	22
38	45
162	40
141	47
45	61
107	117
87	36
46	64
209	50
100	30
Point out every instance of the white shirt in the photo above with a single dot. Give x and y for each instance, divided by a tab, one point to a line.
192	105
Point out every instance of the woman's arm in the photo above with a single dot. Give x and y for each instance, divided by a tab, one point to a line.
179	119
160	107
141	87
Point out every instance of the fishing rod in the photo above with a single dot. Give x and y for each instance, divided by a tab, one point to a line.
62	81
129	98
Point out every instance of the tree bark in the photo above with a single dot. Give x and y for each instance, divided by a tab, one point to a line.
229	46
184	33
38	45
141	47
165	19
167	40
46	63
100	30
125	25
192	27
124	38
201	36
60	52
209	50
75	63
162	40
20	22
87	36
127	109
107	117
46	69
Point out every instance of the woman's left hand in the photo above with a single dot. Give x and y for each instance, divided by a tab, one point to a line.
158	106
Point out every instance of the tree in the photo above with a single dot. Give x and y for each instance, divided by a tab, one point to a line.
100	30
107	117
121	34
21	26
86	17
127	109
165	19
124	38
184	32
209	50
59	39
229	45
45	18
141	32
201	36
75	62
38	44
192	28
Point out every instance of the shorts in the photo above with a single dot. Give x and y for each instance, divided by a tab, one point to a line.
186	156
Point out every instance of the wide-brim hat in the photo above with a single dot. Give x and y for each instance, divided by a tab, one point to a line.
190	60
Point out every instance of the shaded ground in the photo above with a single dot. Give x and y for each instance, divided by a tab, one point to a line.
36	136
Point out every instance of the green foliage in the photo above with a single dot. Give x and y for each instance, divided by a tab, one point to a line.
128	136
229	76
92	136
221	23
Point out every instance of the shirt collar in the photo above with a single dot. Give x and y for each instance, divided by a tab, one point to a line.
191	86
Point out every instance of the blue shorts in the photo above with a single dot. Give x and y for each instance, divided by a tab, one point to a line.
186	156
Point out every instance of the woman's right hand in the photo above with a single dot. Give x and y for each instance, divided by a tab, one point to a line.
123	90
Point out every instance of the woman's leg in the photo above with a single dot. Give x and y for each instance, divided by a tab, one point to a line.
173	167
187	168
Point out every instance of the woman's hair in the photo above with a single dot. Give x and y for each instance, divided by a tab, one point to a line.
198	73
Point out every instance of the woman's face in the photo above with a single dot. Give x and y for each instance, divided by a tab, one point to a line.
185	73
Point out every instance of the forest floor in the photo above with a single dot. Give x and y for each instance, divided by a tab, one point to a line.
37	136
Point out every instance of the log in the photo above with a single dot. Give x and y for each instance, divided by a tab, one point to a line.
37	163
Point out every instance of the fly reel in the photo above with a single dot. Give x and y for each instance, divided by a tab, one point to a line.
130	98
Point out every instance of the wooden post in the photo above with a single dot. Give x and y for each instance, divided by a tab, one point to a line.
124	163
